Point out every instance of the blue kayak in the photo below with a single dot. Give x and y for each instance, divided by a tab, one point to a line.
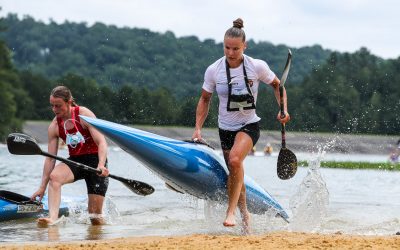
16	206
186	167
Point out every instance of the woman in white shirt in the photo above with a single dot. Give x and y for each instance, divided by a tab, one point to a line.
236	77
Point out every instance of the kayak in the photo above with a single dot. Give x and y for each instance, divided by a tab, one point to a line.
16	206
186	167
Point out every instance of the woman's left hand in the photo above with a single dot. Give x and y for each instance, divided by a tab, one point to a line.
284	119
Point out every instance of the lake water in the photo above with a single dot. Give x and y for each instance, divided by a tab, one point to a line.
362	202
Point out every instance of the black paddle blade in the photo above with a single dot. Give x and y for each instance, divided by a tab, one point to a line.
139	188
287	164
22	144
135	186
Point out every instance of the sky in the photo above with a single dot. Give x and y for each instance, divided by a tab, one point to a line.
340	25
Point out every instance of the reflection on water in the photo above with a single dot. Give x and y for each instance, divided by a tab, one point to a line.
95	232
360	201
53	233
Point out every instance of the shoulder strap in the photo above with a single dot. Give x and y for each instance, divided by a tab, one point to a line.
246	80
76	114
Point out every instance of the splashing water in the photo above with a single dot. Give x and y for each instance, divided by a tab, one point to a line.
215	212
78	212
309	204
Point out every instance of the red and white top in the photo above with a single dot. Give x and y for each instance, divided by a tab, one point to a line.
88	146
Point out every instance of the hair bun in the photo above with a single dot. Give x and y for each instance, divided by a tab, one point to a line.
238	23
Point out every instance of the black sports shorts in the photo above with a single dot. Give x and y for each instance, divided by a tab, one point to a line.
227	137
95	184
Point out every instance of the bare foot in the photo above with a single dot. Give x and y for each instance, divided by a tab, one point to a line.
97	221
43	222
230	220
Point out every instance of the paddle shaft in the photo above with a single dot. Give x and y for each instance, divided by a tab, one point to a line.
282	105
22	144
82	166
283	131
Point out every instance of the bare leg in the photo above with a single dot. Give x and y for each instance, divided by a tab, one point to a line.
230	219
236	189
58	177
243	210
95	207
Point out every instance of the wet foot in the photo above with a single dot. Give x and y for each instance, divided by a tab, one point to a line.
230	220
97	221
43	222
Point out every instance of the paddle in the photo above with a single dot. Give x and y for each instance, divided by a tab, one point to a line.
287	161
22	144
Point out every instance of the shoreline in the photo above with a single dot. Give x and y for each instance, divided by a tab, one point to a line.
296	141
274	240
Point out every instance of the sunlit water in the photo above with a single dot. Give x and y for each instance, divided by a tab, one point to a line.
317	200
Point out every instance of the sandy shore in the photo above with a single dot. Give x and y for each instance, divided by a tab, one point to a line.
279	240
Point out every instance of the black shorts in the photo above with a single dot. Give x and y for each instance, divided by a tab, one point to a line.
95	184
228	137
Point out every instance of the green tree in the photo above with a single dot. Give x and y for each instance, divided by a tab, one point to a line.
11	108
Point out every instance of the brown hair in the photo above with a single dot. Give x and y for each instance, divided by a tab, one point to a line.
236	30
63	93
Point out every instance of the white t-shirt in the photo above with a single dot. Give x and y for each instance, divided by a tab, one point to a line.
215	79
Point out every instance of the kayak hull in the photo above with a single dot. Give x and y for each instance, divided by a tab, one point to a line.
187	167
16	206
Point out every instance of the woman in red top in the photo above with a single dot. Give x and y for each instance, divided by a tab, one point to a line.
85	145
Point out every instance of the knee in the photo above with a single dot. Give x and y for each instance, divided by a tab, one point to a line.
55	180
235	162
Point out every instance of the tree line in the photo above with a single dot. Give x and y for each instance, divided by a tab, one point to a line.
137	76
130	56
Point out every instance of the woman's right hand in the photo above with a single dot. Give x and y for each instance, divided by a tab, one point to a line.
283	119
39	193
196	135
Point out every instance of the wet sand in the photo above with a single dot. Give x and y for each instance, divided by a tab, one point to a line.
279	240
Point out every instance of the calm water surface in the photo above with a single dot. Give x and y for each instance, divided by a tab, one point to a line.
318	200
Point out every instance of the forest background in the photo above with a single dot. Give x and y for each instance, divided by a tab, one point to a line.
136	76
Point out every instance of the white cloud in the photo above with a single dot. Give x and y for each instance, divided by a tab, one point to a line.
344	25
